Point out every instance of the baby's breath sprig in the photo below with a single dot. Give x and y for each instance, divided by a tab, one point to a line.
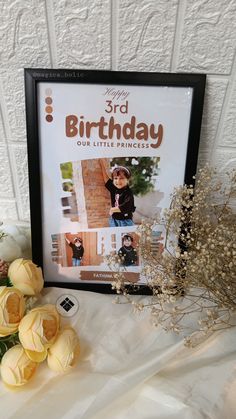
194	272
2	235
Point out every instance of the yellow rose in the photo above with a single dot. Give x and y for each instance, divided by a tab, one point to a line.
16	368
26	276
63	354
38	330
12	308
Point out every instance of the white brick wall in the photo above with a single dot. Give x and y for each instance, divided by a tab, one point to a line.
145	35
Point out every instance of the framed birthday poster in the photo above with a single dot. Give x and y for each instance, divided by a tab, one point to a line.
105	150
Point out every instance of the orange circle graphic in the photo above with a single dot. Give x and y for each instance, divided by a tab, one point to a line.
48	109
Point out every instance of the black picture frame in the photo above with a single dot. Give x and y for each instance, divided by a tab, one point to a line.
35	76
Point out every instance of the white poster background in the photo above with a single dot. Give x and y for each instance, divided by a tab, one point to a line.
169	106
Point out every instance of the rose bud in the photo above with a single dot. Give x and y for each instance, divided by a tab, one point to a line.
16	368
64	353
26	276
12	308
38	330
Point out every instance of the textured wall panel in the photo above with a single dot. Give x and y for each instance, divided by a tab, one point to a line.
20	167
13	89
5	174
229	126
83	30
146	34
225	159
8	210
208	36
213	103
2	131
23	43
23	34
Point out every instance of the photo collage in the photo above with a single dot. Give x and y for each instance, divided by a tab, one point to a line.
108	198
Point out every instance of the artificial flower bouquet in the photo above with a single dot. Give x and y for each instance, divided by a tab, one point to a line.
29	336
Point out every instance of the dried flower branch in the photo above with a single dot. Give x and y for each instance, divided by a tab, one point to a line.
195	272
2	235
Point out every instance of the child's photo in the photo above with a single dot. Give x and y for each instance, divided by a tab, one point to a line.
128	253
90	248
77	250
122	198
110	192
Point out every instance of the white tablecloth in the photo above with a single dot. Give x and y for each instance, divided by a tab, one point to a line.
129	369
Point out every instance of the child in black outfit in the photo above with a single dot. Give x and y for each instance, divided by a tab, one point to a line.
77	249
122	199
127	252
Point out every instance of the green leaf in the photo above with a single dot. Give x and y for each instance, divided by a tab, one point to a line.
7	343
6	282
9	283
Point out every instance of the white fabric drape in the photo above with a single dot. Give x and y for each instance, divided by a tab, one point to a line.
129	370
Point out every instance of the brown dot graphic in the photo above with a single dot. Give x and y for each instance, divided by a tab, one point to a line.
48	109
48	100
49	118
48	92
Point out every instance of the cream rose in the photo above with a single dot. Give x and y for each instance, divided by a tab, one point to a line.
12	308
26	276
16	368
63	354
38	330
